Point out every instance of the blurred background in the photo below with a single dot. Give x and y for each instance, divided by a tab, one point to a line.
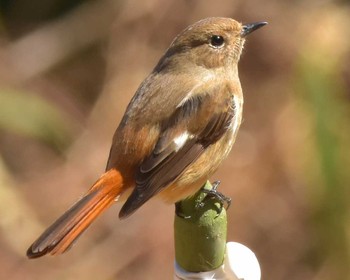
67	72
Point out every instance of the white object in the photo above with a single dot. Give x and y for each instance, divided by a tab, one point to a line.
240	264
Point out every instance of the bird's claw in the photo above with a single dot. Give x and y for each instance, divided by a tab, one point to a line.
213	193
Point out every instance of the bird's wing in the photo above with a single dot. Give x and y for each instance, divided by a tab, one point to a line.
198	122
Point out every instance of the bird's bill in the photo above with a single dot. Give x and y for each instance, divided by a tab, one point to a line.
250	27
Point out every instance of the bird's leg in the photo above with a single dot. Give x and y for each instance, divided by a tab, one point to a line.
215	194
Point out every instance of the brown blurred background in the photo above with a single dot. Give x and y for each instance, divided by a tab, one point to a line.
67	72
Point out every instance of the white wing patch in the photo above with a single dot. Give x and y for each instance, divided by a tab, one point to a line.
181	140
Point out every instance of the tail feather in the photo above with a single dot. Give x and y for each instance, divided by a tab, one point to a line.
60	236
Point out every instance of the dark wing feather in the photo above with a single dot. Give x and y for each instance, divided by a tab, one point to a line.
216	127
168	161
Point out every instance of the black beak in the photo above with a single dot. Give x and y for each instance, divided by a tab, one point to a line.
250	27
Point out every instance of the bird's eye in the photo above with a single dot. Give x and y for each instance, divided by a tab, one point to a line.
217	41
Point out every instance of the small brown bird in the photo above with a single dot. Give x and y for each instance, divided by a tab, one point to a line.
177	129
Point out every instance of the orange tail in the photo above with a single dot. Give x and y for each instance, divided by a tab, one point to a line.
60	236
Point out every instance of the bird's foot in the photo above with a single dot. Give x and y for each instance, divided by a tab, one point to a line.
225	201
179	212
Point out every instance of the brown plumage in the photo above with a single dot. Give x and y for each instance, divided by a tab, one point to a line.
179	126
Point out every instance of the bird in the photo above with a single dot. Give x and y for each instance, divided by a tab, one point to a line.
177	129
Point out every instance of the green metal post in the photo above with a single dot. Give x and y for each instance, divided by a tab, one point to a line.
200	232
